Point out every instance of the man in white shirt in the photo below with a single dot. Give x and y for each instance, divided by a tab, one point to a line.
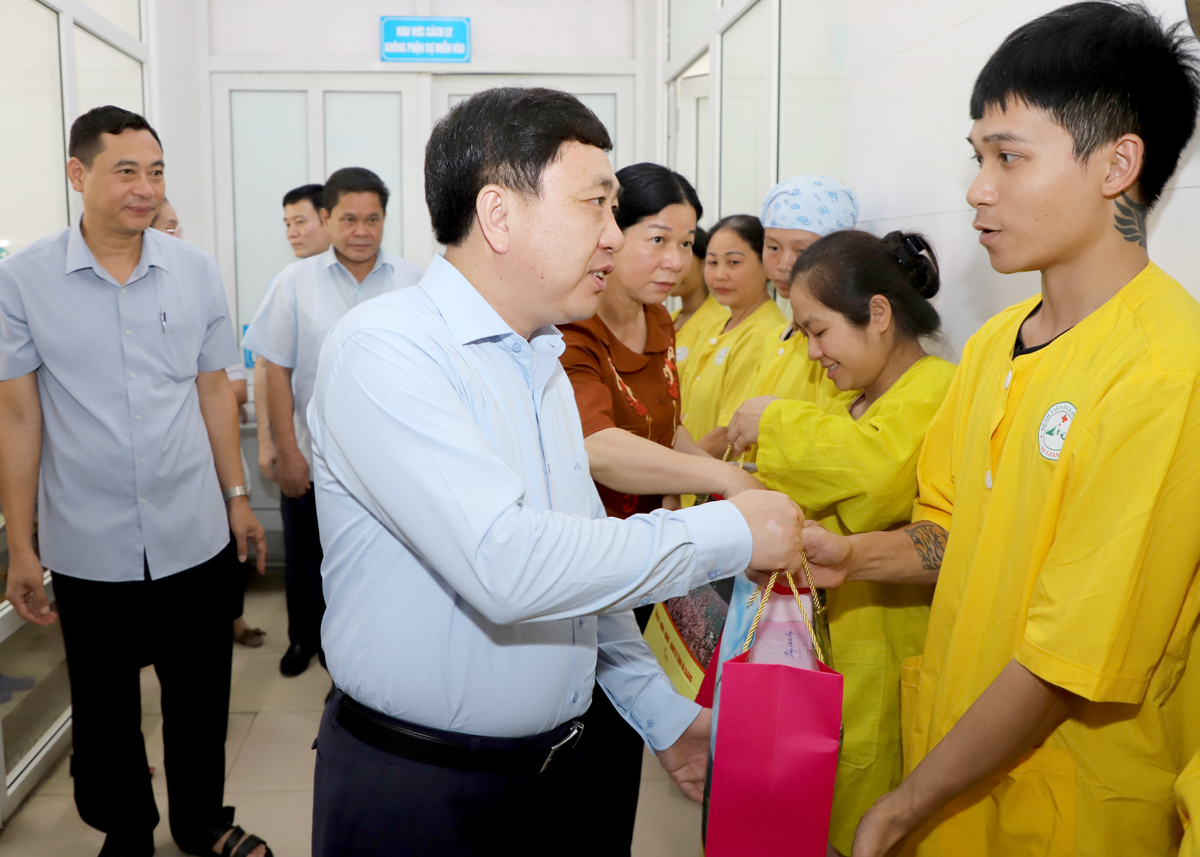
475	589
307	299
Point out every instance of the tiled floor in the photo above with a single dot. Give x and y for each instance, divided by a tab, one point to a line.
269	765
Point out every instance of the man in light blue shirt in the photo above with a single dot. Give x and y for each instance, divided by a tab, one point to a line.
304	302
475	589
117	416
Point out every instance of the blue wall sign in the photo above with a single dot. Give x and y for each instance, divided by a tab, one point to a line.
423	39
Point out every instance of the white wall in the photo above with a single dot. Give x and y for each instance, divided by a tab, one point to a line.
582	29
911	69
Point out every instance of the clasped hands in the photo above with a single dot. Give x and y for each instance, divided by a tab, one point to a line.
780	534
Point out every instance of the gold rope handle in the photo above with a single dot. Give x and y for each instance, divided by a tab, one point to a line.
765	592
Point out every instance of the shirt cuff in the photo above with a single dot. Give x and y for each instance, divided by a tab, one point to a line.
660	715
722	539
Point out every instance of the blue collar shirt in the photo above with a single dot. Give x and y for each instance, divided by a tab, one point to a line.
303	303
467	555
127	475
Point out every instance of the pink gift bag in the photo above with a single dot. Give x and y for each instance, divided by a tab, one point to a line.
777	738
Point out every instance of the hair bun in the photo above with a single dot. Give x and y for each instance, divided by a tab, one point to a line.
915	254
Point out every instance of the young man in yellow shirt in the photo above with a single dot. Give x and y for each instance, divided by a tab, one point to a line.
1054	705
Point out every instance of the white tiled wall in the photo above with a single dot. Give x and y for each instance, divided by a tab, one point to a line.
911	69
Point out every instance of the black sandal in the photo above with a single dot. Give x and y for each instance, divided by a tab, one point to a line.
245	843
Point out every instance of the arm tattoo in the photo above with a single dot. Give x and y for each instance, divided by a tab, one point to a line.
930	542
1131	220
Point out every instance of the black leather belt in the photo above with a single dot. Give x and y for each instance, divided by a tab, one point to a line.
454	749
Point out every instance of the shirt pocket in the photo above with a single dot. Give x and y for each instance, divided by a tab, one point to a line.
181	350
1033	804
862	664
575	465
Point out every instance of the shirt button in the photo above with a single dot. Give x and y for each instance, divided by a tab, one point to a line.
516	347
649	722
1008	379
712	575
575	698
129	333
987	480
143	502
137	416
643	602
712	341
122	291
140	460
133	374
580	621
780	352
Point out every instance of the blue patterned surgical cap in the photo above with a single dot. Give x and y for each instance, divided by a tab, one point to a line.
816	204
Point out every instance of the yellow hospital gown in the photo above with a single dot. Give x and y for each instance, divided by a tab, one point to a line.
708	319
720	369
856	476
1069	481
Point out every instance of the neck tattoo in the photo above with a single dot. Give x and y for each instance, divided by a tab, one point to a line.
1130	220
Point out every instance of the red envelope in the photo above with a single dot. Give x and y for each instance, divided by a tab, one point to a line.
774	761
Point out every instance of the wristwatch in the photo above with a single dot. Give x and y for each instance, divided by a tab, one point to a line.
235	491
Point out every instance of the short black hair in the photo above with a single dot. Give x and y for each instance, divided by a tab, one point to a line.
311	192
700	243
746	226
352	180
505	136
845	269
85	141
646	189
1101	70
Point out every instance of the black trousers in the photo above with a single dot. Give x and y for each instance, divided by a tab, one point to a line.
368	803
302	568
104	629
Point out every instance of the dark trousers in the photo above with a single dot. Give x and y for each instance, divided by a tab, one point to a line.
104	629
302	567
368	803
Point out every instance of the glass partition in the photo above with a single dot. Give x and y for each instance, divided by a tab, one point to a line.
270	157
687	24
746	111
105	75
35	186
812	88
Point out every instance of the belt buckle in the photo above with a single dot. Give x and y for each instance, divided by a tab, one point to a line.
569	740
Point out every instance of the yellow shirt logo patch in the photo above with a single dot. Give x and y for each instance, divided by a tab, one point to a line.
1052	433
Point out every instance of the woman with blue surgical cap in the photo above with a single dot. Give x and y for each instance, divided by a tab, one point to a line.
795	213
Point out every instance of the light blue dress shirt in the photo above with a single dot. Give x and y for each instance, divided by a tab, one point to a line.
126	461
466	548
302	304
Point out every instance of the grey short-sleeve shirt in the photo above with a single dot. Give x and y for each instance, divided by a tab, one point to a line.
127	469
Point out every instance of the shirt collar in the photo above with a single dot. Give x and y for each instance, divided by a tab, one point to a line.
329	259
468	315
80	256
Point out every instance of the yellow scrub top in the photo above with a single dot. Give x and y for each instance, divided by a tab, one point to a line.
711	317
721	368
1069	481
857	476
785	371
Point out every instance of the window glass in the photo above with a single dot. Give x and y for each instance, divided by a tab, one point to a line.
31	147
687	24
105	75
125	14
270	157
812	88
746	111
362	129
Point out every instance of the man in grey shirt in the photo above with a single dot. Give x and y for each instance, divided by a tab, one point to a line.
117	418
